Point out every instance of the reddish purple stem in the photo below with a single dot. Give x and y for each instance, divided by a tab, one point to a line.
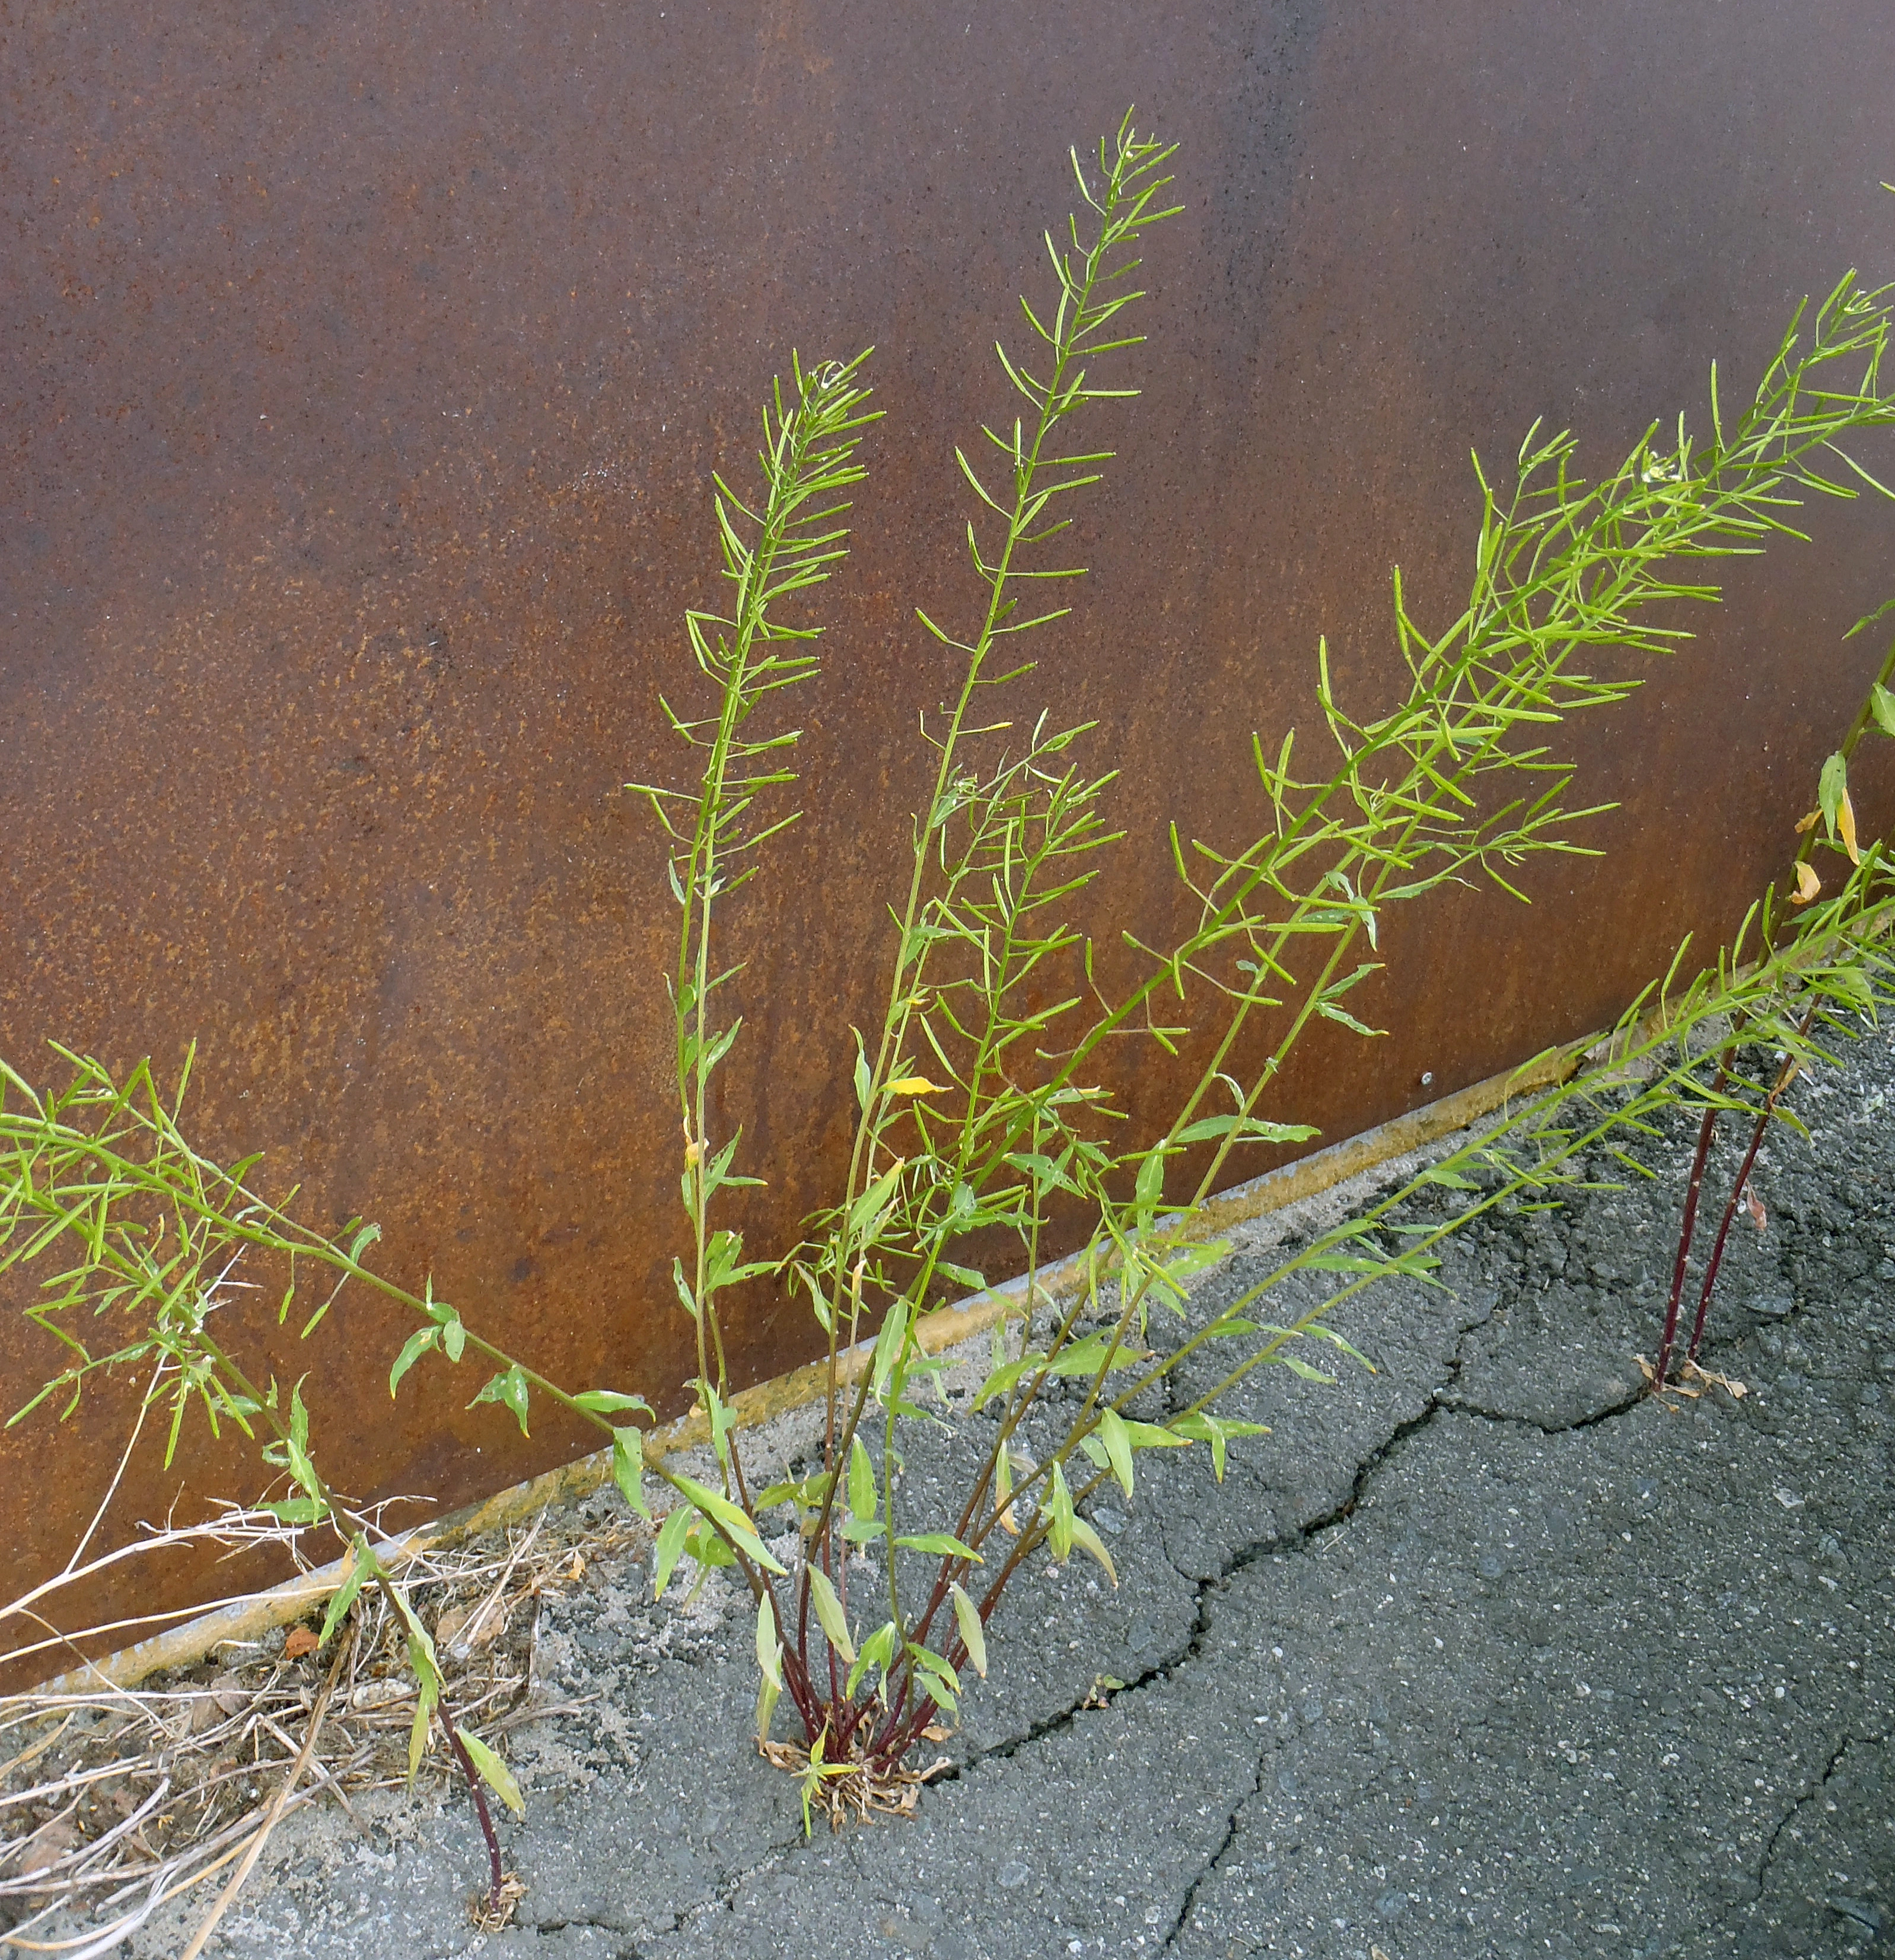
480	1805
1706	1131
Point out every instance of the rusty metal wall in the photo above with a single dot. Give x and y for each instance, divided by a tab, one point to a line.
364	368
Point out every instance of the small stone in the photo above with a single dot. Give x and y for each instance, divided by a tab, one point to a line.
1011	1876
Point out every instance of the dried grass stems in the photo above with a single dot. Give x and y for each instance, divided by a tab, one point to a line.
841	1791
113	1803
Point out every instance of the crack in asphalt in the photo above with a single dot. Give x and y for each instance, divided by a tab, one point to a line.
1277	1544
1815	1790
627	1951
1216	1858
1591	1420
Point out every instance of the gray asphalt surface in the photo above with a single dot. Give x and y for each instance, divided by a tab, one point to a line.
1486	1654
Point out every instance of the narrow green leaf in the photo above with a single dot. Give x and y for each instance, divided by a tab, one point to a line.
628	1468
1117	1440
888	1344
418	1732
1246	1130
1194	1259
509	1388
937	1691
1059	1513
1348	1020
671	1544
493	1771
1084	1357
830	1616
1832	786
861	1481
297	1510
363	1567
1088	1540
973	1636
940	1545
1152	1436
417	1345
769	1650
877	1652
609	1402
926	1657
733	1518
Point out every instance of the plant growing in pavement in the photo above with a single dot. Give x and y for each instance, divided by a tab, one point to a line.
981	1111
1833	971
1454	780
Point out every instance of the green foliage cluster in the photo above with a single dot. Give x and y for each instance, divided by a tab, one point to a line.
982	1104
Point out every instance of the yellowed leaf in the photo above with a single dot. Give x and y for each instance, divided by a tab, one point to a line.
915	1085
1806	824
1808	885
1845	823
693	1149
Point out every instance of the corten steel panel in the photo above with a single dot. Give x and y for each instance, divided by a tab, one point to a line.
364	369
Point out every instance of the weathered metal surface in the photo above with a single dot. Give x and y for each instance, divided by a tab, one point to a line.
364	368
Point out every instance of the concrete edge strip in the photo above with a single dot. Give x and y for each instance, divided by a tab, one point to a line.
944	1328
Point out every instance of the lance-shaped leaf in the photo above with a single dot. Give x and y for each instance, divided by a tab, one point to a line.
861	1481
769	1648
628	1468
417	1345
509	1388
670	1547
1117	1443
493	1771
829	1615
973	1635
733	1518
1089	1541
940	1545
877	1652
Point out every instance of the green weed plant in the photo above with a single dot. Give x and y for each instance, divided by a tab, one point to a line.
982	1107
